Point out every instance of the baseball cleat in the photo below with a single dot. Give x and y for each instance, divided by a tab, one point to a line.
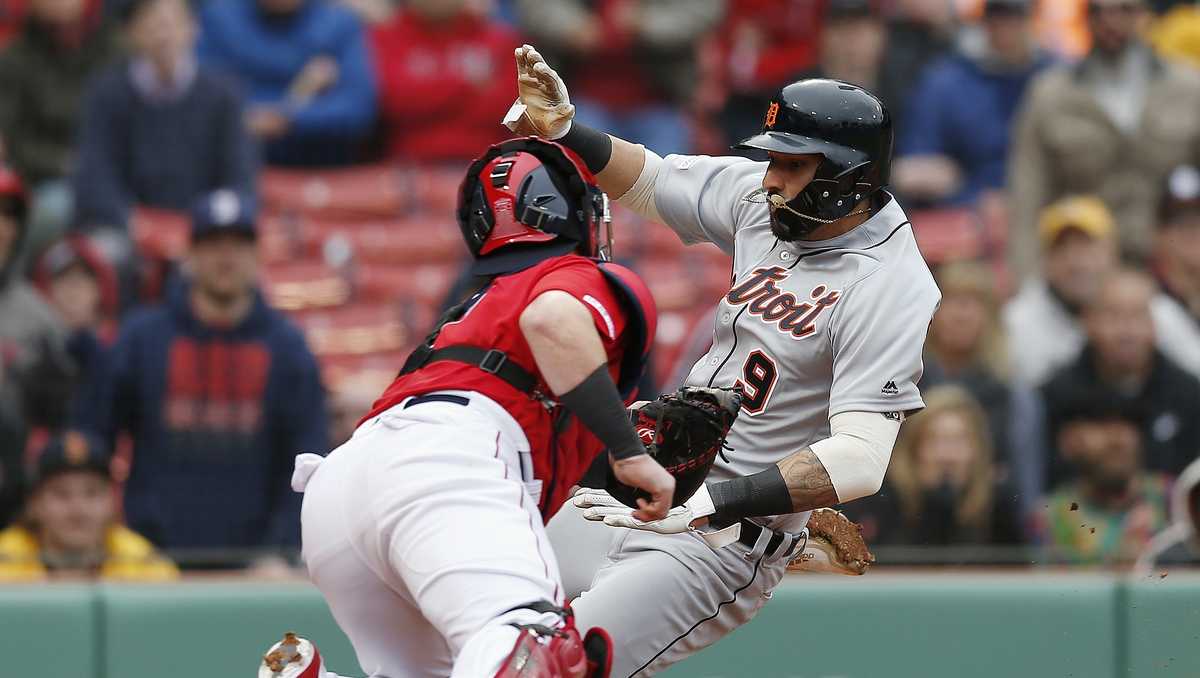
292	657
835	544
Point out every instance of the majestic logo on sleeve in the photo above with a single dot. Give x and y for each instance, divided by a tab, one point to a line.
773	305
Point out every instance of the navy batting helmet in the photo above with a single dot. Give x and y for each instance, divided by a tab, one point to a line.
849	127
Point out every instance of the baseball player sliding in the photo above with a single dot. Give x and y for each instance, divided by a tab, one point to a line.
822	330
424	531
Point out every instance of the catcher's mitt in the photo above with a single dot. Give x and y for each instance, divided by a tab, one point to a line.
684	431
835	544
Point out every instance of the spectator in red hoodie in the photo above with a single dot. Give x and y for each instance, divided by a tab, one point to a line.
763	44
445	74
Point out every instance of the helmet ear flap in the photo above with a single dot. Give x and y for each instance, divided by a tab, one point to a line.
479	220
849	180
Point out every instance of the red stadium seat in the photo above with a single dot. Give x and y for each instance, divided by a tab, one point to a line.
403	241
370	191
681	282
159	234
948	234
435	189
357	329
378	368
425	284
676	330
305	285
277	239
660	241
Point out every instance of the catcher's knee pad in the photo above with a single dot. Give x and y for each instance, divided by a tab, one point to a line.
558	652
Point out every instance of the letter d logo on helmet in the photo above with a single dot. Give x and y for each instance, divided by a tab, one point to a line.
772	113
845	124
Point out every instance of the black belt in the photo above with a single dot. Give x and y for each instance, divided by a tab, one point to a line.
752	531
437	398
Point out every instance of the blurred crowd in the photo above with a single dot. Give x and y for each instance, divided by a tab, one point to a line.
152	396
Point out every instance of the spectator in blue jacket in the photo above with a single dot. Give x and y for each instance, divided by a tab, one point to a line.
157	129
219	393
307	71
954	146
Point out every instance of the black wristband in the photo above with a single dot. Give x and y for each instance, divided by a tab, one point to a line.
593	146
598	405
762	494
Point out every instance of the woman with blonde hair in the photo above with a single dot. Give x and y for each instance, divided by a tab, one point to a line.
941	487
966	337
966	347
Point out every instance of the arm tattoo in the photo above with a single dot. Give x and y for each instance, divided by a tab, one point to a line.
807	481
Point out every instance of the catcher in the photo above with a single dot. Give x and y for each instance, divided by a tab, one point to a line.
424	531
821	332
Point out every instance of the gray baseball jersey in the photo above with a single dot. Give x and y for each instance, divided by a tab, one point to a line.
808	329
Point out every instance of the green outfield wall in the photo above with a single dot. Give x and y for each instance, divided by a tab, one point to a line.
878	626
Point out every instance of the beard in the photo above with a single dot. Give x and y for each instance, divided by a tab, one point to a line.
1109	482
220	296
789	227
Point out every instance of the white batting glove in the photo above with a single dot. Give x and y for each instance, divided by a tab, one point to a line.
543	107
599	505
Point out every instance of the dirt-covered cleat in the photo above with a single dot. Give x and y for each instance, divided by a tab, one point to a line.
292	657
835	544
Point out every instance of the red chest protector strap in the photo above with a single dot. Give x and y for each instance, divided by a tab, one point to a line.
493	361
642	324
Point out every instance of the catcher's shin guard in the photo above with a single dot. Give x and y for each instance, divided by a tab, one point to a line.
544	652
292	657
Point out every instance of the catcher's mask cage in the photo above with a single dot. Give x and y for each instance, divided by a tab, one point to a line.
850	129
528	199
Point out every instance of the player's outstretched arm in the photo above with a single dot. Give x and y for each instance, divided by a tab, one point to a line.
543	108
797	483
808	483
571	358
849	464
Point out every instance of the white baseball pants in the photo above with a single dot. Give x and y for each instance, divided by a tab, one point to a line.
423	535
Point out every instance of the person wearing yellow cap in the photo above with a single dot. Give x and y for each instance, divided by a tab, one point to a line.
69	527
1078	249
